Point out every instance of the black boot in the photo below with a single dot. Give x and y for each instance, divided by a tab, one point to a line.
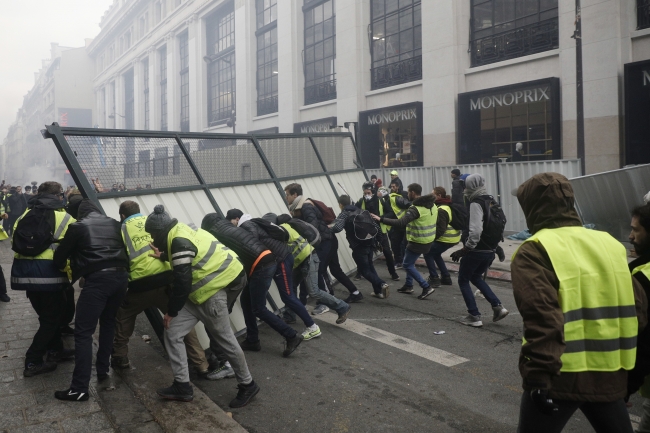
446	280
245	394
292	344
60	355
250	345
354	298
179	391
34	369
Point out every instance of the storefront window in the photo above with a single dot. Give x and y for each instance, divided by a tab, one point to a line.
494	121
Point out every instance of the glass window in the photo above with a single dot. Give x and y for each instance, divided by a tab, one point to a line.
163	88
267	57
642	14
396	30
506	29
320	52
185	82
221	65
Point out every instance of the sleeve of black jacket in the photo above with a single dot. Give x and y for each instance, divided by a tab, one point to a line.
411	215
441	223
181	255
66	247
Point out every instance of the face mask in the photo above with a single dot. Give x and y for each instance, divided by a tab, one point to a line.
368	197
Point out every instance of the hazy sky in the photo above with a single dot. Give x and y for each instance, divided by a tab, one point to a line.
26	29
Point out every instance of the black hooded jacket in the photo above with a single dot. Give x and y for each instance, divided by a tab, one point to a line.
92	243
247	247
310	214
279	249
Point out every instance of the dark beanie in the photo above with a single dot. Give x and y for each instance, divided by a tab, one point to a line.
284	218
157	220
234	214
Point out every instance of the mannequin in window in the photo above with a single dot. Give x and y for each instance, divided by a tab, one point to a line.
516	155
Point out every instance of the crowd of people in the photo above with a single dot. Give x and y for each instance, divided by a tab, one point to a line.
584	309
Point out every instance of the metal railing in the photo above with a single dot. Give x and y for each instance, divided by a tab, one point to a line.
320	92
267	105
397	73
522	41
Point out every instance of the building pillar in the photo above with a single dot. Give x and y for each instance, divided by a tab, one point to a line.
289	63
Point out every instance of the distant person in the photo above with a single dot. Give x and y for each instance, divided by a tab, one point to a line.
457	186
17	205
446	237
581	313
394	177
399	203
516	155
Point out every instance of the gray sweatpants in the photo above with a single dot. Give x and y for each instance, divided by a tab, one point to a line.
214	315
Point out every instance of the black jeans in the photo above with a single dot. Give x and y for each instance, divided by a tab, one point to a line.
68	310
49	306
3	282
330	257
363	258
396	240
99	300
388	254
610	417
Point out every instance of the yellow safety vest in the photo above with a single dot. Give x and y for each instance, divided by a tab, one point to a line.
137	242
62	220
645	389
423	229
384	227
596	297
399	212
644	269
3	234
451	235
300	247
214	267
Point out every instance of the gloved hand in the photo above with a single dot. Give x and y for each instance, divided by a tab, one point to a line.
543	402
456	255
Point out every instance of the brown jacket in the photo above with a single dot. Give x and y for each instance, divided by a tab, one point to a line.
548	202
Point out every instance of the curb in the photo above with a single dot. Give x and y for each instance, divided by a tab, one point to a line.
148	373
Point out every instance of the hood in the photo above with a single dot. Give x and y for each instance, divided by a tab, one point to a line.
474	186
243	219
548	202
441	201
210	220
270	217
427	201
86	207
47	201
350	208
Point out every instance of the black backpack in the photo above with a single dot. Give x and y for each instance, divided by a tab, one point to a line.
459	216
273	230
306	230
494	221
365	227
34	232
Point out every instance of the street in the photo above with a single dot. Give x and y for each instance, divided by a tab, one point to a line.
347	382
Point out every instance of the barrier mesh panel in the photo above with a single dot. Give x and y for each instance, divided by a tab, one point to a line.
337	152
291	157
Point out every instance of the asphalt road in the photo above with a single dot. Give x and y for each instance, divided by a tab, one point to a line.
347	382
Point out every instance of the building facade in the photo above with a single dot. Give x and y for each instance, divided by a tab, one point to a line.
429	82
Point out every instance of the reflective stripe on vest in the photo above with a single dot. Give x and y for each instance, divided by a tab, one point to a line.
213	267
399	213
451	235
39	281
596	297
61	222
384	227
300	247
423	229
137	241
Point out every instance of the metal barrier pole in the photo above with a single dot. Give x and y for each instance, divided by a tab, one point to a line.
267	164
322	164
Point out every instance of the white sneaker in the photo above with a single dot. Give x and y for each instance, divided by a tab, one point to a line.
312	332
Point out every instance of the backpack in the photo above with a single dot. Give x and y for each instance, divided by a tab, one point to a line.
494	221
459	216
34	232
365	227
273	230
328	214
306	230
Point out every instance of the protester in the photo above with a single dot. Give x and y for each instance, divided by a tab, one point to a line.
149	286
420	223
476	256
362	249
3	283
581	313
398	204
96	251
446	237
204	271
394	178
36	273
457	187
17	204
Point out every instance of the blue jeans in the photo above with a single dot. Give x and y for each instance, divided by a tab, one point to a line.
472	268
253	304
434	257
284	281
363	258
411	273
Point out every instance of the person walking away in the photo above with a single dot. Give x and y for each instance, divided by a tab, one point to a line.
394	177
420	223
34	239
362	245
96	252
202	269
486	224
3	283
446	237
581	314
457	187
398	204
17	204
638	378
4	208
373	204
149	286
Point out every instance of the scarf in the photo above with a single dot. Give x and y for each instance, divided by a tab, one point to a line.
474	186
297	203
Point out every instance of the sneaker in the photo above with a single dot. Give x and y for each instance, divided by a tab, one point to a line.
70	395
358	277
179	391
59	355
433	281
354	298
343	316
245	394
499	313
446	280
311	332
4	297
426	292
399	266
250	345
500	253
320	309
120	362
222	372
34	369
292	344
474	321
385	291
394	276
67	330
378	295
405	289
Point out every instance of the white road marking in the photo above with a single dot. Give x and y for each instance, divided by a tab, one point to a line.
427	352
406	319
